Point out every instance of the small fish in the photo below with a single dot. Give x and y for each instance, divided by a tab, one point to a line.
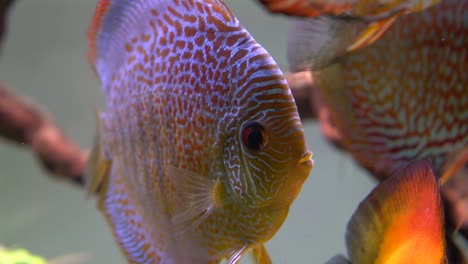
400	221
403	97
200	151
374	17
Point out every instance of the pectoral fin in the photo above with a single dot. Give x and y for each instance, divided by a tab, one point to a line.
199	196
97	170
373	32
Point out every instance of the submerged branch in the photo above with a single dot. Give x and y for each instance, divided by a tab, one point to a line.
23	123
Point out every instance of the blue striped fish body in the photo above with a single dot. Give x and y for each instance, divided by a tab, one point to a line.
200	151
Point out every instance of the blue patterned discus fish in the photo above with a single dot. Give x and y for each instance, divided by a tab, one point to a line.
200	151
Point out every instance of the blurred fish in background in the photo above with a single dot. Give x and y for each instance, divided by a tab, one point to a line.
200	151
376	17
398	98
393	89
400	221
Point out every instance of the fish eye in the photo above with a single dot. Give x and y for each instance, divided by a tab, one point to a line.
253	136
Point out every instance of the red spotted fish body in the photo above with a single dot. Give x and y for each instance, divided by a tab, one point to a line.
403	98
200	151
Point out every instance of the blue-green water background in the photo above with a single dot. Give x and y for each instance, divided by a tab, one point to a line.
44	58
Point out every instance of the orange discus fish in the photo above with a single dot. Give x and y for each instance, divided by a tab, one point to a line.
399	222
405	97
379	14
200	151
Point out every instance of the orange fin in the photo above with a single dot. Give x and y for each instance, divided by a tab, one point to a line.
382	19
454	164
400	221
371	34
260	255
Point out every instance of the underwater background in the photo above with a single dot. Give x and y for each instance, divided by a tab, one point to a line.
44	58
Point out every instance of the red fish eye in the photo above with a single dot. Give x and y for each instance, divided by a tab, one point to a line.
253	136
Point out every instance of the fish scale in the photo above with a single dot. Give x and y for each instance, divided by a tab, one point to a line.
183	180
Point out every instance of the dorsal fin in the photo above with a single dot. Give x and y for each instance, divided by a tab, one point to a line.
117	22
316	43
400	221
110	28
94	29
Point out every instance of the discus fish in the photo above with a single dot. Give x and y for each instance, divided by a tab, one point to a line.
403	98
400	221
377	16
200	151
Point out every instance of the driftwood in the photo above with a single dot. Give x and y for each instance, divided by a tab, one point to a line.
23	123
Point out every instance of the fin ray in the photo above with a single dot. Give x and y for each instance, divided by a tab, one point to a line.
454	164
109	29
198	197
97	168
261	255
409	196
315	43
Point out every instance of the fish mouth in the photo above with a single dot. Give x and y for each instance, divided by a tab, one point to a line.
306	159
